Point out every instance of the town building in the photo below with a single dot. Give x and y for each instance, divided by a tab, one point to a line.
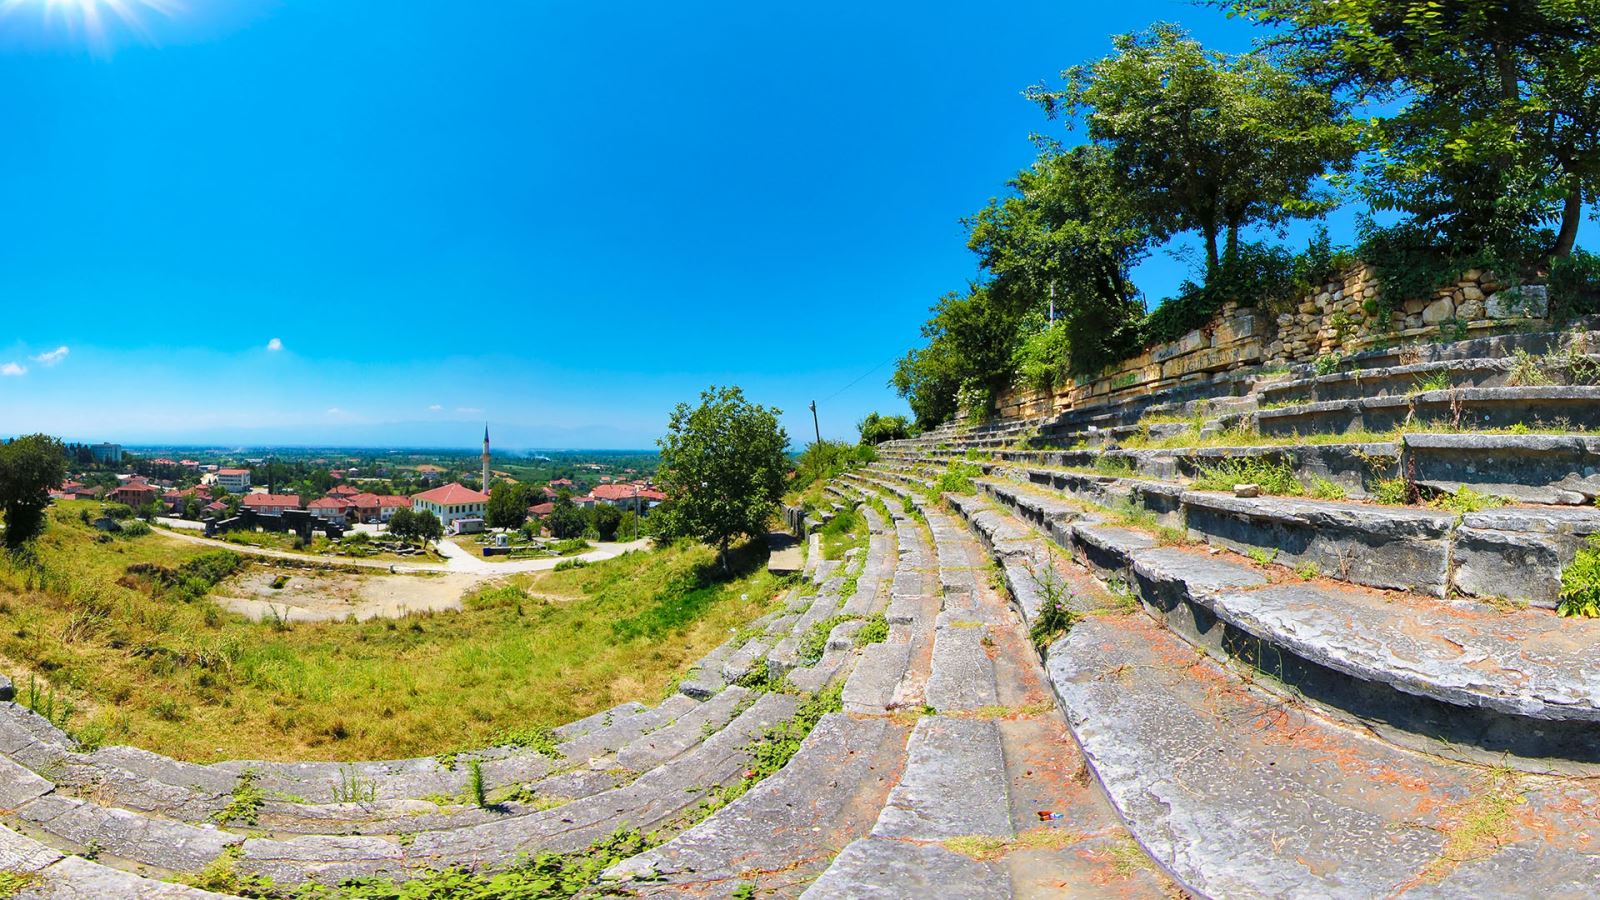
451	502
136	494
235	481
330	509
106	453
271	504
375	507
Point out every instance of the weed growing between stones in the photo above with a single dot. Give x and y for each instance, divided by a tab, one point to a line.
845	530
1391	492
746	890
1115	466
245	805
1466	500
875	630
759	678
1479	825
1261	556
815	641
353	788
1056	615
1308	571
1323	489
956	479
12	883
1273	476
1580	582
773	749
480	798
541	739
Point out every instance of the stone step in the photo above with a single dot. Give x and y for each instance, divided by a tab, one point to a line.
1515	553
954	784
136	838
1292	806
655	798
1456	679
787	828
671	741
875	681
75	878
1482	408
877	868
963	675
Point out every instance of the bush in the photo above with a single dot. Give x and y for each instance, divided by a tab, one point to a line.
1580	582
1042	360
875	428
957	479
1574	286
1272	476
1254	274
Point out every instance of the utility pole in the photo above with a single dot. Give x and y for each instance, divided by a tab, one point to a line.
814	422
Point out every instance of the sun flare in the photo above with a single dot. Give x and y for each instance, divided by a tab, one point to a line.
91	20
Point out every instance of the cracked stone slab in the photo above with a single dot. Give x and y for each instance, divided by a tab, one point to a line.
1525	663
656	797
18	785
963	674
652	749
954	783
1290	806
325	859
871	687
161	843
141	780
1402	549
788	823
881	869
20	853
27	738
75	878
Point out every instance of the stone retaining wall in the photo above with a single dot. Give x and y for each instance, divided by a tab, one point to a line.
1337	319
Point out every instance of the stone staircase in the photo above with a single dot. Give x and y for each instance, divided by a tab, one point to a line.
1297	696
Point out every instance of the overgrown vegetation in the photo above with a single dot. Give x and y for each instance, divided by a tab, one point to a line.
135	658
1580	582
1273	476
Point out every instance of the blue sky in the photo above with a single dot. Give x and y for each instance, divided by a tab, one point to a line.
560	217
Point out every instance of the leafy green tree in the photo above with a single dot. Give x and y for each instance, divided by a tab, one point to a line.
403	524
507	506
1205	141
1061	248
566	520
876	428
606	519
1488	111
723	468
30	467
967	358
426	526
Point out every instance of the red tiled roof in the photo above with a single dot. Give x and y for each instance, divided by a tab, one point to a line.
329	503
615	491
452	494
541	509
374	501
273	501
564	482
343	490
652	494
135	487
233	471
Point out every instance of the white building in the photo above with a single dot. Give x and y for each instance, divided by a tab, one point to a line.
235	481
451	502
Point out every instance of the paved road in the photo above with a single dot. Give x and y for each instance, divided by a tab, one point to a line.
457	559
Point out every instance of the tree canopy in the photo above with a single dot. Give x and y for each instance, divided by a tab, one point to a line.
30	467
723	466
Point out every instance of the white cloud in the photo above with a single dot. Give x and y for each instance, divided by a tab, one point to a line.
53	357
12	368
435	408
469	409
335	411
275	345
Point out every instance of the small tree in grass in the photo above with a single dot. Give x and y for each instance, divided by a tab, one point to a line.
29	468
722	467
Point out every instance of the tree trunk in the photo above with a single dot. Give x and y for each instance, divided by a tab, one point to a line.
1571	216
1211	251
1233	240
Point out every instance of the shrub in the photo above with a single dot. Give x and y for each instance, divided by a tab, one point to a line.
1580	582
1392	492
134	528
1466	500
1574	285
1042	359
957	478
1273	476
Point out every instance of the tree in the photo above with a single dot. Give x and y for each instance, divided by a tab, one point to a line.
1489	110
875	428
1061	248
606	519
403	524
566	519
507	506
30	467
1205	141
722	467
966	361
426	526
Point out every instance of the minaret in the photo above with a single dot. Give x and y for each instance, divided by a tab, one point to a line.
486	457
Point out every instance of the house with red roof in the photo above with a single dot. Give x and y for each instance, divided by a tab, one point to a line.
451	502
134	493
541	509
330	509
367	507
271	504
343	490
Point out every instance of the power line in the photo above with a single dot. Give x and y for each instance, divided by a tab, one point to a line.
859	378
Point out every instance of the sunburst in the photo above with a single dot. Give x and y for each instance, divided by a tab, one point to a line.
91	20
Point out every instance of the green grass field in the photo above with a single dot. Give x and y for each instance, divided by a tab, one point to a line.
144	658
